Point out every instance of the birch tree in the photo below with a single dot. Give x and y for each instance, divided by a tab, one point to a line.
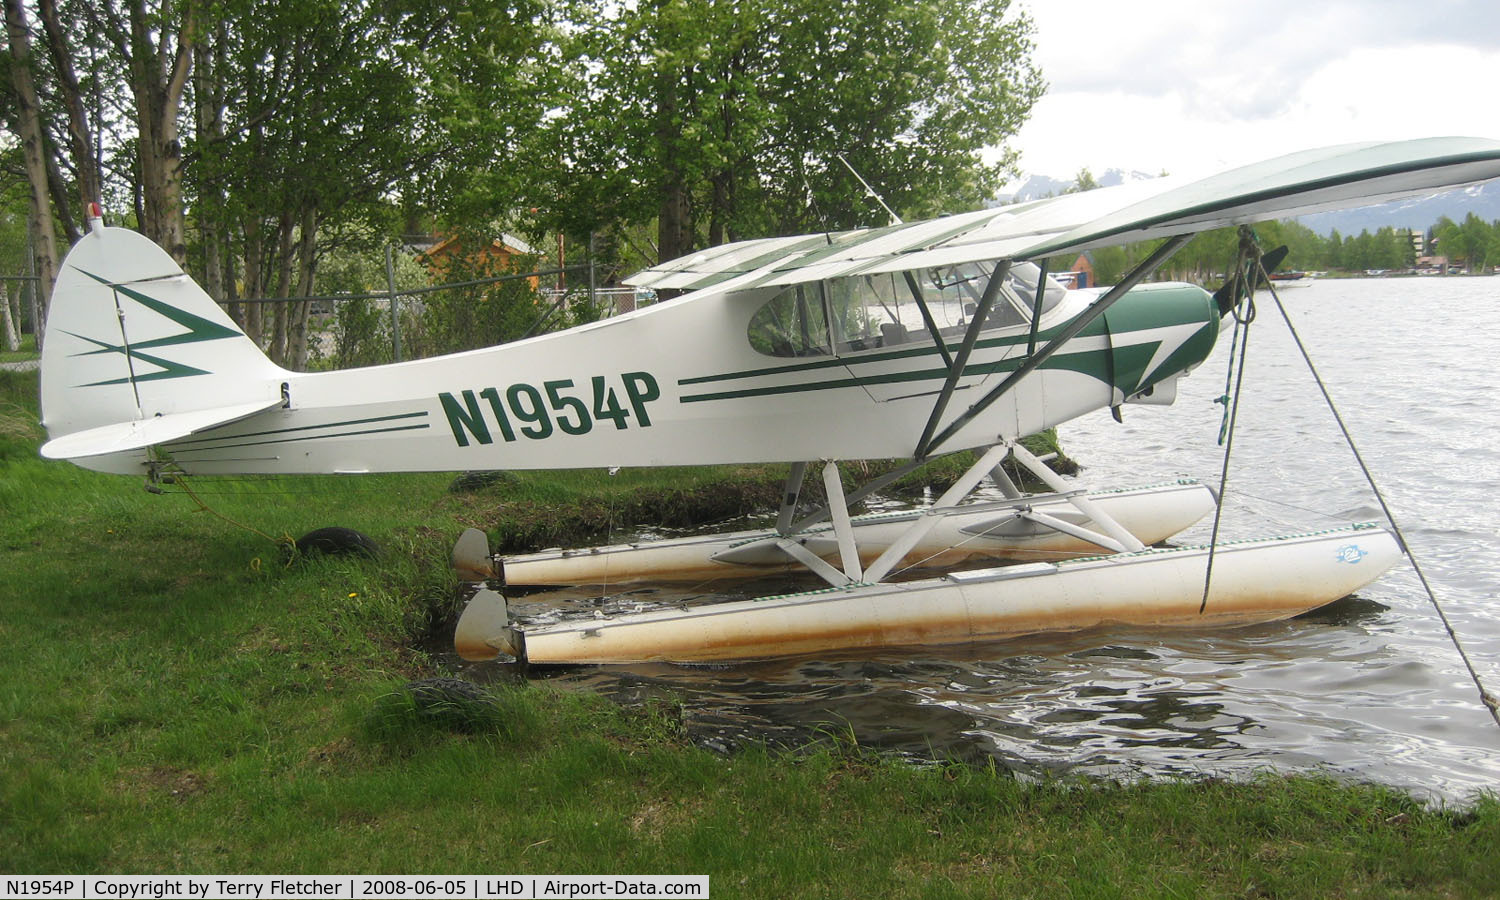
34	152
80	135
154	42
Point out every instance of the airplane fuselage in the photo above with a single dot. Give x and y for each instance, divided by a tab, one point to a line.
743	372
679	383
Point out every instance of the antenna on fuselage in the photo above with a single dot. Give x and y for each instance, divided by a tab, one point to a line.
895	219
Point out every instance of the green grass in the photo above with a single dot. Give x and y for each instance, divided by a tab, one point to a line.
26	352
174	697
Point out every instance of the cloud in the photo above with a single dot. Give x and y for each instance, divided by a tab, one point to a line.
1185	86
1166	46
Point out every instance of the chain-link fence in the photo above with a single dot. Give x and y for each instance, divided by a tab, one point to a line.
349	330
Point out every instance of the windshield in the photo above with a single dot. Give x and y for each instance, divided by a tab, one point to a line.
867	312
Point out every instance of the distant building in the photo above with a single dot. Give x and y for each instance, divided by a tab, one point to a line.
1080	274
451	258
1432	265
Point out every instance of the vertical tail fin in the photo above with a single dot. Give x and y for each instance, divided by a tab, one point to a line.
136	353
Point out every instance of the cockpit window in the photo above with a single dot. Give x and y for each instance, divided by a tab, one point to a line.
866	312
792	323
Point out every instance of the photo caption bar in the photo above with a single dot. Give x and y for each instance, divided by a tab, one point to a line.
354	887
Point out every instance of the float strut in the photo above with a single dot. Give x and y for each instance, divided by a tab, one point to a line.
1123	540
903	545
789	496
833	488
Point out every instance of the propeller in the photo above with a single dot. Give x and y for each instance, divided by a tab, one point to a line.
1227	296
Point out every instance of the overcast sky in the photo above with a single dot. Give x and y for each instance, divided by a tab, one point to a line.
1193	86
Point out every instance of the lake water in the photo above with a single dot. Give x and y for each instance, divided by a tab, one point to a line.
1369	689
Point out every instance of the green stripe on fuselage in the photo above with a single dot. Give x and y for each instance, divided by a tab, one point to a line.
1090	362
1146	308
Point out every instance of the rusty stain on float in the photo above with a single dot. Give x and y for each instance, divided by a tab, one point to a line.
1254	582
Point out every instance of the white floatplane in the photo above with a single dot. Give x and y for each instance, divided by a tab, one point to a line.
895	342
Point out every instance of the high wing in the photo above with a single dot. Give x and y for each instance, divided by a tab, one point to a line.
1293	185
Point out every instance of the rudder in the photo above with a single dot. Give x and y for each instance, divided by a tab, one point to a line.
136	353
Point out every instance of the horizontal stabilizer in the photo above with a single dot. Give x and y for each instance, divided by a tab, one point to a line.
141	433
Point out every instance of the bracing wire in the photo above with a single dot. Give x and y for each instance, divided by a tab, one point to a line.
1489	700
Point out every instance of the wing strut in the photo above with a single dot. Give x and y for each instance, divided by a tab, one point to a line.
1036	306
1070	331
956	368
932	328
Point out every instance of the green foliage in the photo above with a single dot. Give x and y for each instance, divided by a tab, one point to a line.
308	120
466	318
1205	260
1475	244
15	207
359	331
361	335
1083	181
720	118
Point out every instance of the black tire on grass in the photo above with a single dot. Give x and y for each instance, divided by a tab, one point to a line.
337	541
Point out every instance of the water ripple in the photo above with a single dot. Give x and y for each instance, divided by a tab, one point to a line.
1369	688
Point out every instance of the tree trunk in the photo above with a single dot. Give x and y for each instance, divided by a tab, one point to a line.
674	214
718	209
61	201
208	114
33	150
307	262
39	297
674	222
254	312
158	77
17	292
7	321
282	311
80	139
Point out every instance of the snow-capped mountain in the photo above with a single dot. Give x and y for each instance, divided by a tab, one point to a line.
1418	213
1035	187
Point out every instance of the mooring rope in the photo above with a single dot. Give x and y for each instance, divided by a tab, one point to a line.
285	541
1244	316
1234	339
1489	700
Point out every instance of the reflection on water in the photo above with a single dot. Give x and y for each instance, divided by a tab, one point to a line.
1368	688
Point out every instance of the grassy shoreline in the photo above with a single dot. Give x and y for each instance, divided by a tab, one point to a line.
175	698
